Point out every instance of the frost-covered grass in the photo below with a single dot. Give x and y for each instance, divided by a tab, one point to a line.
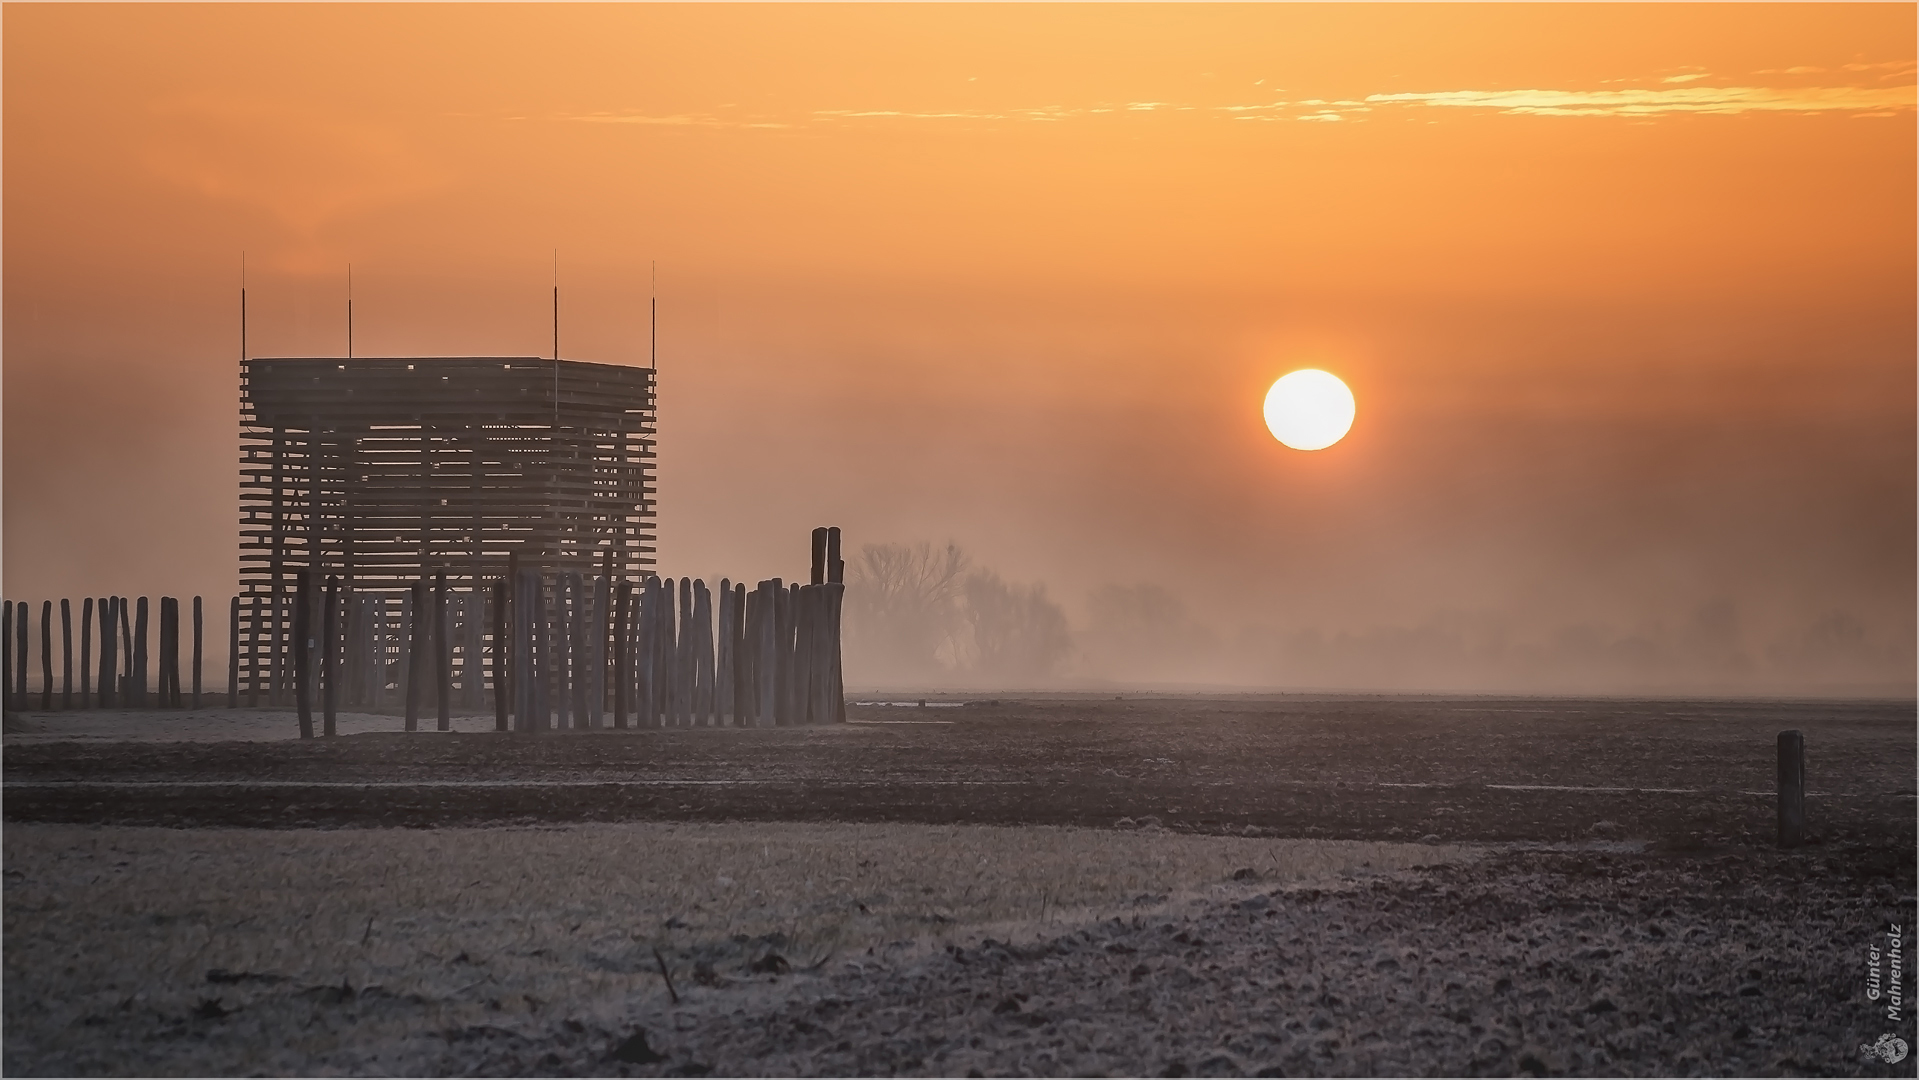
110	933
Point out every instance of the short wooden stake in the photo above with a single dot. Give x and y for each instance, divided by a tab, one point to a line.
1792	789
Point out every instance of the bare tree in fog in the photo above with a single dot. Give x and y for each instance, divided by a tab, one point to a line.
1018	634
902	609
917	614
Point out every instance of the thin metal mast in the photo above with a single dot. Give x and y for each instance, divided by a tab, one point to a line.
349	311
243	306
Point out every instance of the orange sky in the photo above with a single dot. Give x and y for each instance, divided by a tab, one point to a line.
1625	293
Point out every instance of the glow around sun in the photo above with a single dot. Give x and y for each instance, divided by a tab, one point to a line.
1309	410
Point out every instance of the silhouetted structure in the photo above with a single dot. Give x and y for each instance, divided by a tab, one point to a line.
388	471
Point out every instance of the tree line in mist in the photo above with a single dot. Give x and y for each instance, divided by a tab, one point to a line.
926	616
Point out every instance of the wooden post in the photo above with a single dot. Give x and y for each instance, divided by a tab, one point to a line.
6	657
233	653
643	714
140	683
723	656
86	651
329	658
162	698
579	662
124	692
46	656
767	662
835	567
789	706
199	628
473	664
501	702
302	631
1792	789
520	658
742	695
170	653
548	654
109	678
745	673
819	558
525	618
443	650
710	654
416	647
22	627
66	655
599	633
659	650
622	611
836	682
253	654
123	686
802	695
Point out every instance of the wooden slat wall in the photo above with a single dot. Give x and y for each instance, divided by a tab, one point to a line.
386	471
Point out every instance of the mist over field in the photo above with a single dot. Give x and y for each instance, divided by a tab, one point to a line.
921	616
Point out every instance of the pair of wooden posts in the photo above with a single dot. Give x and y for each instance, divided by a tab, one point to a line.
317	653
122	676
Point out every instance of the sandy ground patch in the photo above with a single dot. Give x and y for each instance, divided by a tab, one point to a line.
131	950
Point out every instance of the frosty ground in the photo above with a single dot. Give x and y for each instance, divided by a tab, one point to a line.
1143	886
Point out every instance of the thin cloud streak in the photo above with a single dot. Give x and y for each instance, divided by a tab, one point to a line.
1712	100
1646	102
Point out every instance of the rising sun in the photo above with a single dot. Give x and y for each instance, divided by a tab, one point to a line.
1309	410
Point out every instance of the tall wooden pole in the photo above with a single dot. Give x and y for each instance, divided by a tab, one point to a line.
254	679
198	630
233	654
443	651
66	655
162	699
501	691
6	656
109	678
329	662
622	613
86	650
140	683
416	655
46	656
22	627
302	656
